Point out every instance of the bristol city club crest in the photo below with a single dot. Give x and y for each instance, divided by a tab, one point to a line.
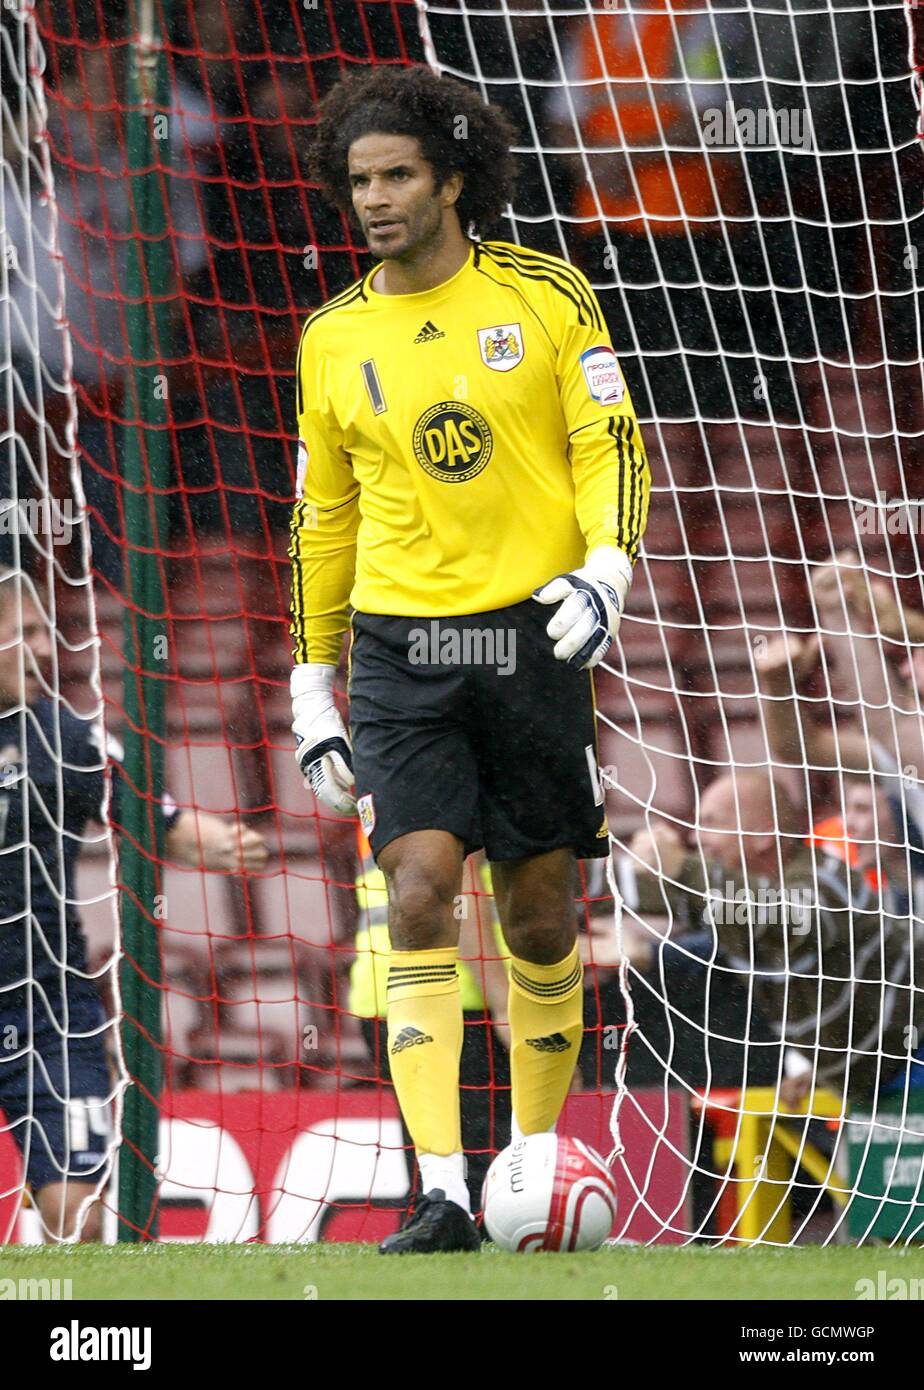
366	808
501	347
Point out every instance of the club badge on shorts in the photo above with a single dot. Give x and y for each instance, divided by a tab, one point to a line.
602	374
366	808
501	346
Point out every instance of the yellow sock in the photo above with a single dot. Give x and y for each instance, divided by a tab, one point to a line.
546	1011
424	1045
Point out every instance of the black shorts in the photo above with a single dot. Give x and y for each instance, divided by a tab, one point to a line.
470	725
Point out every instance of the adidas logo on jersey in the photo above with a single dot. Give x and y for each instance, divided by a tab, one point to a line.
556	1042
409	1037
429	333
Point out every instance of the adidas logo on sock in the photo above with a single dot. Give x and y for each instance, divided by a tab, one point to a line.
409	1037
556	1042
429	333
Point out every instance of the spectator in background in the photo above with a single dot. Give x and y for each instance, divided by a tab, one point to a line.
96	223
874	827
882	843
696	1026
833	970
825	964
246	301
674	211
55	1080
213	43
834	214
235	409
24	247
863	630
875	837
877	649
522	42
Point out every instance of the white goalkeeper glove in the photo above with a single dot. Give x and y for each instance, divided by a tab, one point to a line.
594	597
322	745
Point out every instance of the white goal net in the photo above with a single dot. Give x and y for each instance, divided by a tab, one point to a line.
742	183
58	1034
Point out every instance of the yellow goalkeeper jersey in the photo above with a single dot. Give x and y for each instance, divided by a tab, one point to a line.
458	447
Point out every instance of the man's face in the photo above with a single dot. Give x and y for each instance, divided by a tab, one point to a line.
394	196
751	850
23	637
862	812
718	835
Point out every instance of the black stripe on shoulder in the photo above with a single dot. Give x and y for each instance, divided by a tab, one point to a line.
570	273
340	301
299	394
504	262
564	277
490	273
347	296
528	254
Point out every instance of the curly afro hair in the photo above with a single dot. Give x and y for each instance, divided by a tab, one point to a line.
413	101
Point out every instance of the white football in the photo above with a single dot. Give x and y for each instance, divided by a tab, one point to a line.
548	1192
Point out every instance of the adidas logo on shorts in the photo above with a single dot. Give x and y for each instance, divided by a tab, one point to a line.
409	1037
556	1042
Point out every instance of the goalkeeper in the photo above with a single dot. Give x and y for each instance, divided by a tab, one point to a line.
473	484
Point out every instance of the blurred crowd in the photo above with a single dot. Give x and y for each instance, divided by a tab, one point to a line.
802	881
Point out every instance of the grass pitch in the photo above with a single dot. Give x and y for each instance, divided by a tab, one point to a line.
337	1272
